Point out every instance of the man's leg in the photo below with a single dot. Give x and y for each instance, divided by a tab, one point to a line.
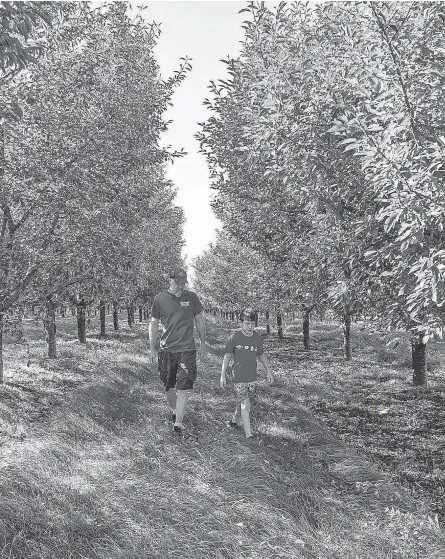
167	373
245	416
186	376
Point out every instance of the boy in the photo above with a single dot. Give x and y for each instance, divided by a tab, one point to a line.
245	346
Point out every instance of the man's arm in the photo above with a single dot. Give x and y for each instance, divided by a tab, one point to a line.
153	335
265	363
201	328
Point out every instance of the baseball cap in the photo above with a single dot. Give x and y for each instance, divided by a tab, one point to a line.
179	275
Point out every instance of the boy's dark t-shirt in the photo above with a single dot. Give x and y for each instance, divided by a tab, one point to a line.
177	316
245	351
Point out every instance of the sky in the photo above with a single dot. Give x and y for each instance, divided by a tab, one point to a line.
206	32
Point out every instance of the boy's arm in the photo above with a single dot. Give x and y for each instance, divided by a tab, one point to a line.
265	363
225	364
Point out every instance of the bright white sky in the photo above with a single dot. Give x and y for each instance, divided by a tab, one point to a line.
206	32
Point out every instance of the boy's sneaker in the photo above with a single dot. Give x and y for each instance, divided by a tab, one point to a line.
177	429
232	424
173	417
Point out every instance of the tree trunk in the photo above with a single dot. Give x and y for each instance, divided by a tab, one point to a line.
306	319
115	316
280	326
129	316
1	349
140	313
256	319
50	327
81	325
267	323
347	337
102	318
418	353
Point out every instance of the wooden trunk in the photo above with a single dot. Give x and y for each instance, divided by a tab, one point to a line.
418	354
1	349
280	326
306	322
347	337
115	316
81	322
50	327
102	317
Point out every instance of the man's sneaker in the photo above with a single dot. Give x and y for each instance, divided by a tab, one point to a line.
232	424
177	429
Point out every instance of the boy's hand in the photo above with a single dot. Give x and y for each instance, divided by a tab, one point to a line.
153	356
202	352
222	381
270	377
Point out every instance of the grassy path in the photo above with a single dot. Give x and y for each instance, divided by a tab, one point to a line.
91	469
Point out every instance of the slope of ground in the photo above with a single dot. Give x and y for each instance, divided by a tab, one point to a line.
91	468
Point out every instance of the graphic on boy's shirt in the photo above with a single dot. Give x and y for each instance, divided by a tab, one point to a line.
246	347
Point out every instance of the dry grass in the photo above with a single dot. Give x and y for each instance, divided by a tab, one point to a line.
91	469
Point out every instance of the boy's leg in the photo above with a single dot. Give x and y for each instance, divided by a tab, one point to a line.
245	416
181	404
237	415
171	399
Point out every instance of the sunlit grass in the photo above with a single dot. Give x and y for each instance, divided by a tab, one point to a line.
91	468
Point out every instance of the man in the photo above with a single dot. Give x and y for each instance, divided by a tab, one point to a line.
177	309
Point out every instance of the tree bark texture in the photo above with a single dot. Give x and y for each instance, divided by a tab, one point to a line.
418	353
102	318
280	326
1	349
306	322
347	337
50	327
81	322
115	315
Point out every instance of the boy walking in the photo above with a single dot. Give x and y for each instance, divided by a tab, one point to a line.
245	346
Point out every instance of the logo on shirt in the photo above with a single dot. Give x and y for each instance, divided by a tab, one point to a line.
246	347
184	303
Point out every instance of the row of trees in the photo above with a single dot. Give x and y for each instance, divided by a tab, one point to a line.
86	212
326	148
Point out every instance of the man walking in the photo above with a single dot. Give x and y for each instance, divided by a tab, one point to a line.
177	309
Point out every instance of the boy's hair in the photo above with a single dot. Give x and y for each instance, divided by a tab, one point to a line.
248	314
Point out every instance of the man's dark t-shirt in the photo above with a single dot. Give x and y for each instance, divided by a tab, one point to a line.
245	351
176	315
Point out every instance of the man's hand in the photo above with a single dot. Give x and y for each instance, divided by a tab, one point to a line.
222	380
270	377
153	356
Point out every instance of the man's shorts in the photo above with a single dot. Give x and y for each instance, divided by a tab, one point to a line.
177	369
244	390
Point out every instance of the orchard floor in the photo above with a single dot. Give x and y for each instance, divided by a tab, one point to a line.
91	469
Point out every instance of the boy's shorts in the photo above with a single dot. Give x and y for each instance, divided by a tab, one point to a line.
177	369
244	390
